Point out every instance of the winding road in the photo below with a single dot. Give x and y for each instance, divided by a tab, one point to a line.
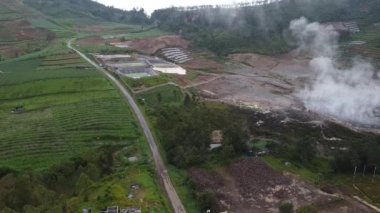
160	166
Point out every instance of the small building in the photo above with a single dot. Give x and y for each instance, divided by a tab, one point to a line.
216	139
18	109
87	210
130	210
113	209
344	27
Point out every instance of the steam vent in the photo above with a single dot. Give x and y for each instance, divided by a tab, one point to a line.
376	111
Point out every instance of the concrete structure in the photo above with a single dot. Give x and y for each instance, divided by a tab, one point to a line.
130	210
116	209
175	55
216	139
138	66
228	6
344	27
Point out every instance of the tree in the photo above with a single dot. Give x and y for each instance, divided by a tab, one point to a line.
159	97
207	201
83	184
304	151
286	208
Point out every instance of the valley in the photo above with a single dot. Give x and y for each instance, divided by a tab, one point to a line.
104	109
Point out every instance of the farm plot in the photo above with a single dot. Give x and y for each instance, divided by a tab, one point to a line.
58	113
52	67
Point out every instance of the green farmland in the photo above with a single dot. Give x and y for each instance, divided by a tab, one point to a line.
66	111
55	108
166	94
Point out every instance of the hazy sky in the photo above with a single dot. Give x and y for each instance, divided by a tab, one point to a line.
151	5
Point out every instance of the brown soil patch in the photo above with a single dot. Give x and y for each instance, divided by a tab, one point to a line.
91	29
366	51
94	40
203	64
152	45
260	62
184	81
249	185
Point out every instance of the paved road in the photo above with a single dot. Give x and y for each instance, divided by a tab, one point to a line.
160	166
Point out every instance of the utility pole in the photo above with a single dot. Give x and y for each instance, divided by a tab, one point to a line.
374	174
365	166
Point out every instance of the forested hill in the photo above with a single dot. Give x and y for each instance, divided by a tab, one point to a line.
259	29
87	9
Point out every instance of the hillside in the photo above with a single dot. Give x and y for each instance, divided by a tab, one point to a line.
256	28
87	9
68	139
21	31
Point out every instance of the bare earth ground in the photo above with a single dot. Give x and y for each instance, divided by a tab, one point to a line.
152	45
94	40
249	185
25	35
266	82
203	64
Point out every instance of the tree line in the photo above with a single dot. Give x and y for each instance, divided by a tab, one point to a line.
258	29
88	9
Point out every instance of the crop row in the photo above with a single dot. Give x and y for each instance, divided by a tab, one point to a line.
24	77
63	62
64	130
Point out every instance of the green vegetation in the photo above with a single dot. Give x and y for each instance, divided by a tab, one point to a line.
97	179
147	82
183	186
103	49
185	133
87	10
153	32
256	29
44	23
66	139
286	208
167	94
64	109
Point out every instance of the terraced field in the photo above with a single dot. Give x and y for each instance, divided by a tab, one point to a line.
65	111
370	35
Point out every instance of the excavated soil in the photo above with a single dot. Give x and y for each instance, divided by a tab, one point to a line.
94	40
249	185
152	45
203	64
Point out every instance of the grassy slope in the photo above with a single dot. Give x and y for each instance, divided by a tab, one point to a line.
69	109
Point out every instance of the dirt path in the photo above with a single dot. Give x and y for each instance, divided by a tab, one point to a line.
160	166
203	82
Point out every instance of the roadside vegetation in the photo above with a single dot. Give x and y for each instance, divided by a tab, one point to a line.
69	141
98	178
298	148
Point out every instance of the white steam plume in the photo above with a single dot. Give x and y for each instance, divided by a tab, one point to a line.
350	94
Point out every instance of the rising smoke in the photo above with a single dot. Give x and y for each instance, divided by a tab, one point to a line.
350	94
